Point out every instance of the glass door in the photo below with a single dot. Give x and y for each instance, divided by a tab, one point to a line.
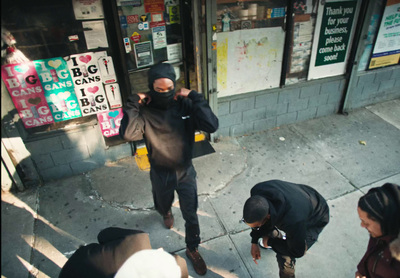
155	31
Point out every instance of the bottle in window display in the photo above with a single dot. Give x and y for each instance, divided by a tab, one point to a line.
226	26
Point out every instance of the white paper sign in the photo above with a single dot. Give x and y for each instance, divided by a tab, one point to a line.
174	52
113	95
95	34
107	69
84	9
159	37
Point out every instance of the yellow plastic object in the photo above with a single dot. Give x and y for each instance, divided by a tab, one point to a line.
142	160
199	137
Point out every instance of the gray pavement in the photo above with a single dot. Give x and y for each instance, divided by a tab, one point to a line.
43	226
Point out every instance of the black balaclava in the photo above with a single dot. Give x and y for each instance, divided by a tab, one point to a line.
161	70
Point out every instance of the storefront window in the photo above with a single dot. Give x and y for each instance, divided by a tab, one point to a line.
152	32
305	13
252	37
250	44
372	30
57	63
386	49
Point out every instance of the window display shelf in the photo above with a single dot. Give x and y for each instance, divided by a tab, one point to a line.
302	17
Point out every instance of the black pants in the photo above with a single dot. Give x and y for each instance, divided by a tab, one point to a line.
286	263
164	183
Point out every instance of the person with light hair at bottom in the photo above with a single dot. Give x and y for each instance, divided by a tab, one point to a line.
150	263
123	253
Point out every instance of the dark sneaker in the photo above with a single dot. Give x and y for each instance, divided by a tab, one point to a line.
168	220
197	261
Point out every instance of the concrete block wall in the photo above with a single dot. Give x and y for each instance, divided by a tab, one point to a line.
73	152
374	86
77	151
267	109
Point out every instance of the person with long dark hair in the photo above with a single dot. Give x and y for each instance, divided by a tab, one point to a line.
379	211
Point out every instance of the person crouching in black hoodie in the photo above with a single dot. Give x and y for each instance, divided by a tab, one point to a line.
167	121
286	217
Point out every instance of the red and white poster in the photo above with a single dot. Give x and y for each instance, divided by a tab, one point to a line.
152	6
27	94
110	122
88	83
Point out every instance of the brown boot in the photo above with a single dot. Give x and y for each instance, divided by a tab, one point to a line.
197	261
168	220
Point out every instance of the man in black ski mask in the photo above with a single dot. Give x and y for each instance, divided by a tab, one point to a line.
167	121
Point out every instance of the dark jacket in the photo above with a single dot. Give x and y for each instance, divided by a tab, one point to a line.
379	261
168	133
103	259
295	209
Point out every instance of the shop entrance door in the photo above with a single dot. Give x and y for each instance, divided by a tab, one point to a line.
151	32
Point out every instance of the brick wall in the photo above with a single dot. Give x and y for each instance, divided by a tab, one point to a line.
267	109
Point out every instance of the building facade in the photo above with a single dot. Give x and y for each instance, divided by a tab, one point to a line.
68	67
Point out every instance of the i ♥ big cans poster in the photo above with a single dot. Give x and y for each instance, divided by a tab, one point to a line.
58	87
88	84
22	81
110	122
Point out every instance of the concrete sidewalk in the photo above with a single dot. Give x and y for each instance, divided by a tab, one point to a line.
340	156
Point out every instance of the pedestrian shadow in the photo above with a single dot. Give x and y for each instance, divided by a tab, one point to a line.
21	247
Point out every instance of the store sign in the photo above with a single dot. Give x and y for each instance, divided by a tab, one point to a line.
174	14
135	37
152	6
110	122
387	46
174	52
134	3
159	37
88	83
132	19
27	94
333	35
58	88
335	32
85	9
143	54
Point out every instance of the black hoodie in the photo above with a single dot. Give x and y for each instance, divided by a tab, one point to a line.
294	209
168	130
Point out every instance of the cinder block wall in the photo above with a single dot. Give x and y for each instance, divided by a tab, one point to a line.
74	152
375	86
78	151
267	109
